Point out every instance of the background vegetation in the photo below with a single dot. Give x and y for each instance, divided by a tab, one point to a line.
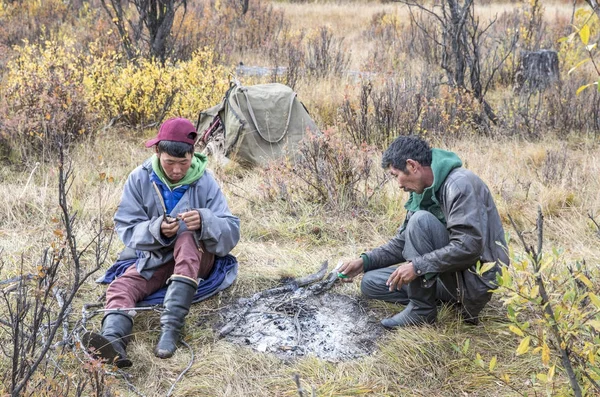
84	83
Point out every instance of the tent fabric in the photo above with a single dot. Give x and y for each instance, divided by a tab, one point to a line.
259	122
222	276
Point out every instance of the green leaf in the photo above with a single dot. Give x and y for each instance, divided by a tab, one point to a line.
479	360
466	346
493	363
584	34
583	87
535	290
524	346
511	314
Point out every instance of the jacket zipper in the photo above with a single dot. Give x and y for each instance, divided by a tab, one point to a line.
458	290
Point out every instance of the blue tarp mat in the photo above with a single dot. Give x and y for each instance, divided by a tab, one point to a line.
222	276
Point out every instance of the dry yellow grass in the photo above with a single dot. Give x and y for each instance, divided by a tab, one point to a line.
275	243
349	20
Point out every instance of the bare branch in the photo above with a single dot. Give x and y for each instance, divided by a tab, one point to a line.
595	6
591	216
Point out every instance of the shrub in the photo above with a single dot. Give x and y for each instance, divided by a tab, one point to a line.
396	42
45	102
287	55
405	106
143	93
553	307
327	170
325	53
27	20
558	109
222	26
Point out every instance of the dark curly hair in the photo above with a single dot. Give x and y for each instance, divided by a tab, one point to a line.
404	148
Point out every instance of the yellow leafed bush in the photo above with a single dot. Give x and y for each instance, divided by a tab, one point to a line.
55	93
144	92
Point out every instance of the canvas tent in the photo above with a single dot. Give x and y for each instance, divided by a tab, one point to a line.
254	124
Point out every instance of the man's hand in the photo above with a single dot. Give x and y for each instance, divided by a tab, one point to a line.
169	229
351	269
404	274
192	219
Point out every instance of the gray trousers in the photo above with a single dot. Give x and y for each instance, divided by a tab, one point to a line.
424	233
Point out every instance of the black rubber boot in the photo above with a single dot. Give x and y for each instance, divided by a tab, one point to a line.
111	344
177	305
421	308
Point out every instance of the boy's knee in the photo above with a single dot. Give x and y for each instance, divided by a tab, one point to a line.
185	239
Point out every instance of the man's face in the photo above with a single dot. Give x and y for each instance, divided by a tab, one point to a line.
175	167
411	180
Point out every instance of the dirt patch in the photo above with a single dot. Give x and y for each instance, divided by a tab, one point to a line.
294	324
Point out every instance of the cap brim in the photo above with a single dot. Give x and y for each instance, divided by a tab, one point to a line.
152	142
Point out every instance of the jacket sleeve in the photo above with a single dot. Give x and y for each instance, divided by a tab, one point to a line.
464	224
134	226
220	230
388	254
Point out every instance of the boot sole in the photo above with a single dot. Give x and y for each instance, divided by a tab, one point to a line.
101	348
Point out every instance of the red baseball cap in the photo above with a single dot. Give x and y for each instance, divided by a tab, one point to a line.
177	129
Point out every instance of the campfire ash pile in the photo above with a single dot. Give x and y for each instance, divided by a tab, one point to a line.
302	318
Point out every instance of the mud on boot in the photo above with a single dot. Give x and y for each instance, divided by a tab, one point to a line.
110	345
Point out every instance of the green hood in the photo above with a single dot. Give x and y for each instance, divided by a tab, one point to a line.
194	173
442	163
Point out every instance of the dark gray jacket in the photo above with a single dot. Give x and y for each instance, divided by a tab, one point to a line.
475	231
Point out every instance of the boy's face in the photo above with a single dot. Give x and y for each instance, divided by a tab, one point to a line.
175	167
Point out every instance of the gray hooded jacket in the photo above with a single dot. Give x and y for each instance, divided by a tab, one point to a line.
140	214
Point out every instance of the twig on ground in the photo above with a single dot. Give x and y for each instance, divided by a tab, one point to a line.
17	278
186	368
291	286
298	385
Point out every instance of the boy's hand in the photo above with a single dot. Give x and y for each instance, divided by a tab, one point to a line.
192	219
169	228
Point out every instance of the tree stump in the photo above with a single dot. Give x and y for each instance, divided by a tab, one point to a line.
537	70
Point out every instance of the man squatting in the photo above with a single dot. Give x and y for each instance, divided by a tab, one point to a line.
451	225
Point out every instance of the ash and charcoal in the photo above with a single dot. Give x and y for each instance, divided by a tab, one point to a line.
295	324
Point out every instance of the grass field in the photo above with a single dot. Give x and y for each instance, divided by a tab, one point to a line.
561	175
